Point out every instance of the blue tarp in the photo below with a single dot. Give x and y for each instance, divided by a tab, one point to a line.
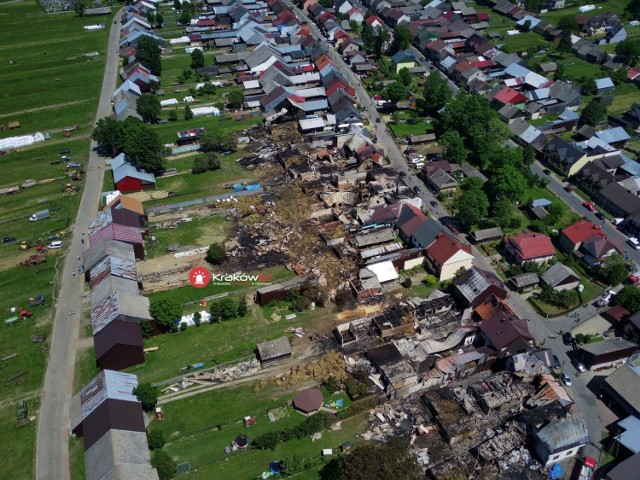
555	471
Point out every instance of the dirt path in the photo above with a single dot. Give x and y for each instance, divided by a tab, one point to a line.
46	107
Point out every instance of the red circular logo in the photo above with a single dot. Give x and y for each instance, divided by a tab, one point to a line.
199	277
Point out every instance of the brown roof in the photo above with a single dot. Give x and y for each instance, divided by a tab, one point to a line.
128	203
503	329
615	314
308	400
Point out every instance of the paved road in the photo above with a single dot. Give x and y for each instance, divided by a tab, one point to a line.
52	449
574	201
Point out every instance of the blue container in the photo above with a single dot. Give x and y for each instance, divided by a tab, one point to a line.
255	186
237	187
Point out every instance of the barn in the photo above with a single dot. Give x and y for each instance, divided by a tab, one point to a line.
128	178
127	211
121	233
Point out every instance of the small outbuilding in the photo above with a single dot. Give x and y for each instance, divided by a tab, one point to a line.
606	353
561	277
308	401
274	351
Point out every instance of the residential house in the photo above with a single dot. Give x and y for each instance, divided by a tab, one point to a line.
625	470
631	117
597	25
398	376
529	247
631	328
617	200
607	353
565	157
506	333
447	255
616	137
571	237
403	59
622	385
561	438
374	21
475	286
441	182
561	277
595	249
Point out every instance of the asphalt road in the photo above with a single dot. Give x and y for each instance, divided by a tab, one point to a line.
52	449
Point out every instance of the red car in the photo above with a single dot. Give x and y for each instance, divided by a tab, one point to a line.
589	206
568	189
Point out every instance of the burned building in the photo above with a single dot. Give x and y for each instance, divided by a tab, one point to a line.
397	373
500	392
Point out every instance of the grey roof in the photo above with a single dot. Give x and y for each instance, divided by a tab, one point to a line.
442	179
108	286
378	236
426	233
274	348
557	273
115	266
525	279
119	454
567	152
630	438
128	170
107	247
487	233
475	281
564	433
613	135
626	470
108	384
625	382
607	346
130	308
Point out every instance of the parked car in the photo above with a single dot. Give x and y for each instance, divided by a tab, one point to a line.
600	215
579	366
402	174
56	244
546	171
566	338
81	268
589	206
418	190
6	240
566	379
378	120
634	243
556	362
568	189
433	203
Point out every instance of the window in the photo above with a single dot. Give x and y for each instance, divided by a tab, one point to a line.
570	452
555	457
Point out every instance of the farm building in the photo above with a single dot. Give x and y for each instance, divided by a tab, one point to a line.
112	266
106	248
121	233
487	235
105	403
128	178
274	351
601	354
127	211
278	291
308	401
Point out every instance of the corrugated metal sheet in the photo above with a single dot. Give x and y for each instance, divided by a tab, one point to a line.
112	266
108	286
108	247
121	233
108	384
119	305
102	220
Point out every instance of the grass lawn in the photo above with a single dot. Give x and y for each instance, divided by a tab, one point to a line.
200	232
626	94
55	67
403	130
576	68
615	6
76	458
167	131
523	42
190	427
215	343
18	442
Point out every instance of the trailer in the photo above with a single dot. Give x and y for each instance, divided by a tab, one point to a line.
39	300
11	320
588	469
40	215
34	260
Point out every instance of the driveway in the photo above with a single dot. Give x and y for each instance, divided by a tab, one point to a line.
52	447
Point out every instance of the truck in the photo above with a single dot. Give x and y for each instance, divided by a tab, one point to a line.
34	260
39	215
588	469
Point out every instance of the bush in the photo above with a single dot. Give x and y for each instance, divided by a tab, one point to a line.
408	282
148	395
224	309
579	338
164	464
332	385
430	280
216	254
155	439
183	326
268	441
146	328
197	318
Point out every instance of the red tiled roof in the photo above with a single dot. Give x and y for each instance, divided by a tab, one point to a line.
370	20
445	247
581	230
532	245
509	95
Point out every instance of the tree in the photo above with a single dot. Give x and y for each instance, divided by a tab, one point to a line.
148	395
146	329
148	53
188	113
429	280
560	73
401	39
216	254
243	308
235	98
197	59
142	146
326	3
148	107
620	75
629	298
177	5
396	92
556	210
471	207
568	23
267	441
381	38
453	147
471	183
629	49
532	6
528	155
155	439
507	182
436	92
173	116
108	133
588	85
166	313
612	270
159	20
564	45
405	76
79	7
197	319
392	459
164	464
593	113
355	26
503	211
200	165
526	26
216	141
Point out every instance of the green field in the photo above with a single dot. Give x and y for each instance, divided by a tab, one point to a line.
191	427
203	231
615	6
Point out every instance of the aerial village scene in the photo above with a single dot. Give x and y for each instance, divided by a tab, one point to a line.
320	239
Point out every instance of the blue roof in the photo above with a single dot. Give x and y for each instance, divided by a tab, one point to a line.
568	115
405	55
540	202
604	83
516	70
534	21
448	62
630	438
613	135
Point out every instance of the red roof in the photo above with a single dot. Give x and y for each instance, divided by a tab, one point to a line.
532	245
445	247
509	95
483	17
206	23
323	61
482	64
581	230
114	231
372	19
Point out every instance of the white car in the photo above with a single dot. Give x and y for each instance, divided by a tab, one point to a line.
566	379
633	241
55	244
